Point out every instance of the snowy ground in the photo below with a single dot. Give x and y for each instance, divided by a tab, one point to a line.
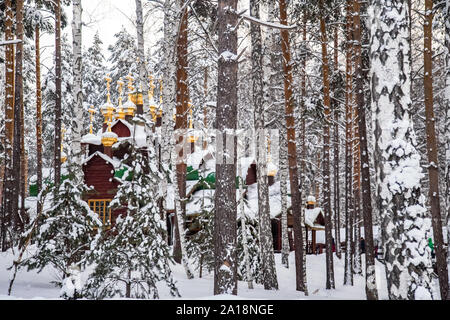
30	285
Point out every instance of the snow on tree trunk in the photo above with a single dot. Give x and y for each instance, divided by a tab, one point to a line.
171	18
265	234
371	286
58	95
143	74
285	247
405	223
292	153
348	268
447	130
244	230
326	154
225	267
38	118
180	219
8	194
18	215
77	120
432	151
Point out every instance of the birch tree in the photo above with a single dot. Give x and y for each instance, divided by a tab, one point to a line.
143	74
77	122
404	220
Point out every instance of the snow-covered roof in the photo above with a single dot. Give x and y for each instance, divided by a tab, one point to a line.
115	162
91	139
245	164
311	216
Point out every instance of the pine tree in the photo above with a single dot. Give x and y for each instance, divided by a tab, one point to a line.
133	256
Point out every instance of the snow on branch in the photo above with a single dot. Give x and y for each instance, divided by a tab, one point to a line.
268	24
8	42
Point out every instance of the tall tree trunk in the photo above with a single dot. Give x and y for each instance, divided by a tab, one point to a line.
38	119
296	198
371	286
8	197
171	18
143	74
356	178
432	151
265	235
326	153
447	130
77	122
285	247
225	266
404	220
348	275
58	93
181	122
303	144
179	221
19	215
336	104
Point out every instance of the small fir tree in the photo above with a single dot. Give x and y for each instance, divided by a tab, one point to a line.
65	235
133	256
200	247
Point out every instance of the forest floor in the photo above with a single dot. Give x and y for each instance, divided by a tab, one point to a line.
33	285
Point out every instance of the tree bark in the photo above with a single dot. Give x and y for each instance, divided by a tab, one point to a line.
38	119
19	215
348	275
292	152
326	153
181	122
265	235
77	122
336	104
405	223
8	195
143	74
432	152
447	129
58	93
371	286
225	266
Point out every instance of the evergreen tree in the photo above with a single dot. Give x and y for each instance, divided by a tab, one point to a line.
65	234
254	250
133	256
94	88
200	247
123	58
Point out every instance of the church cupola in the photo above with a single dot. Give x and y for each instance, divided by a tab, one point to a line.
129	107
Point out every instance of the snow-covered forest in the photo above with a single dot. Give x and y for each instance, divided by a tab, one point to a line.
256	149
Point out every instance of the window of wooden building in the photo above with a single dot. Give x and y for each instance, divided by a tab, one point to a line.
101	207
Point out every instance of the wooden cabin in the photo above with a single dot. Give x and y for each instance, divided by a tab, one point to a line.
314	221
